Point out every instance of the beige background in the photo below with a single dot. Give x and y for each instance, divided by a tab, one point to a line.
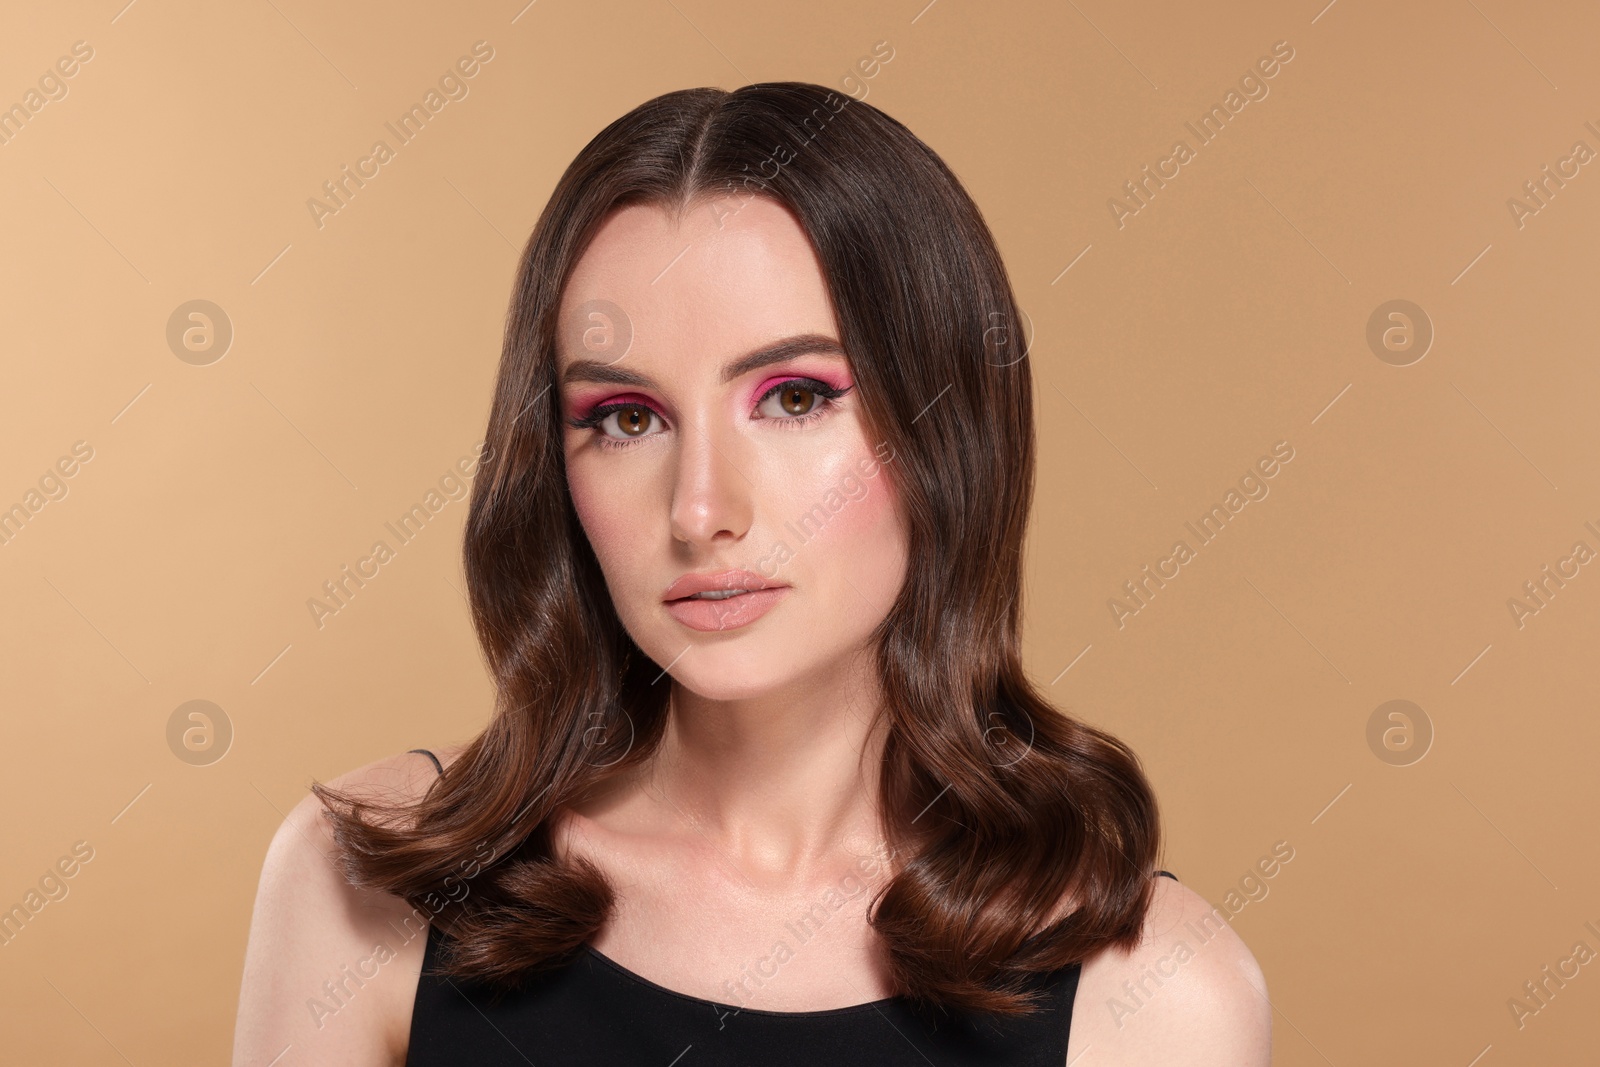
1227	315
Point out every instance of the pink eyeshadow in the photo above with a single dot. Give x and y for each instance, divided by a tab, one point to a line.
778	379
582	407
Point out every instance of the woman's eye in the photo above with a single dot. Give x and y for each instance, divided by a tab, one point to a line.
790	399
631	421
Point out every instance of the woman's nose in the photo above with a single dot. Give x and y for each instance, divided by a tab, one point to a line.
711	496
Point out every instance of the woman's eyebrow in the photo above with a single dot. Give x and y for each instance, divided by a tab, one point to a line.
805	344
588	370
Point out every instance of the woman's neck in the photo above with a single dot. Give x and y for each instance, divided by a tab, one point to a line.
780	783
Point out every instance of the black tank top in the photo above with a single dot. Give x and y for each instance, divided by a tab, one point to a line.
593	1010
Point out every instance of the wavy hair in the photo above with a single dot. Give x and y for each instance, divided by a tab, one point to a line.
997	808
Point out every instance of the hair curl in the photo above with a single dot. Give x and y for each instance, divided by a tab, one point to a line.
997	807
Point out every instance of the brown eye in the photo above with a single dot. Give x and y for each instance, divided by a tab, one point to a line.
631	421
797	401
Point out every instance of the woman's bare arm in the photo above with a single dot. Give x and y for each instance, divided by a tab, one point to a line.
1190	993
330	974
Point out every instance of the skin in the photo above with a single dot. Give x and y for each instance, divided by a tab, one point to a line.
761	798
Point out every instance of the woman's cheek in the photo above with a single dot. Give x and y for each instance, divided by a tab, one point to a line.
856	502
879	539
613	528
602	520
856	563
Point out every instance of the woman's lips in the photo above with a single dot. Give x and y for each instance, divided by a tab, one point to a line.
729	613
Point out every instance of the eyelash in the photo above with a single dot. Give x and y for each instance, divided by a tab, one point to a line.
827	394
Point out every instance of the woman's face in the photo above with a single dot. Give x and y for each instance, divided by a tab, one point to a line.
715	443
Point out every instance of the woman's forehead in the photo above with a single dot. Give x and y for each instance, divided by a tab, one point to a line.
717	278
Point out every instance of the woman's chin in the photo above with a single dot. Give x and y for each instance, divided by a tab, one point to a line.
723	672
724	688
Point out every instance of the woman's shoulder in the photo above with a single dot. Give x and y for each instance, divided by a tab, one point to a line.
402	776
398	779
326	966
1190	991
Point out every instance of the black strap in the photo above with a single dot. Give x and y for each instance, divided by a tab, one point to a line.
437	765
1169	874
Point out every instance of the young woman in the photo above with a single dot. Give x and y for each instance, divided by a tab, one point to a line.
766	782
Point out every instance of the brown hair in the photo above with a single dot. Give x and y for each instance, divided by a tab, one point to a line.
997	808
